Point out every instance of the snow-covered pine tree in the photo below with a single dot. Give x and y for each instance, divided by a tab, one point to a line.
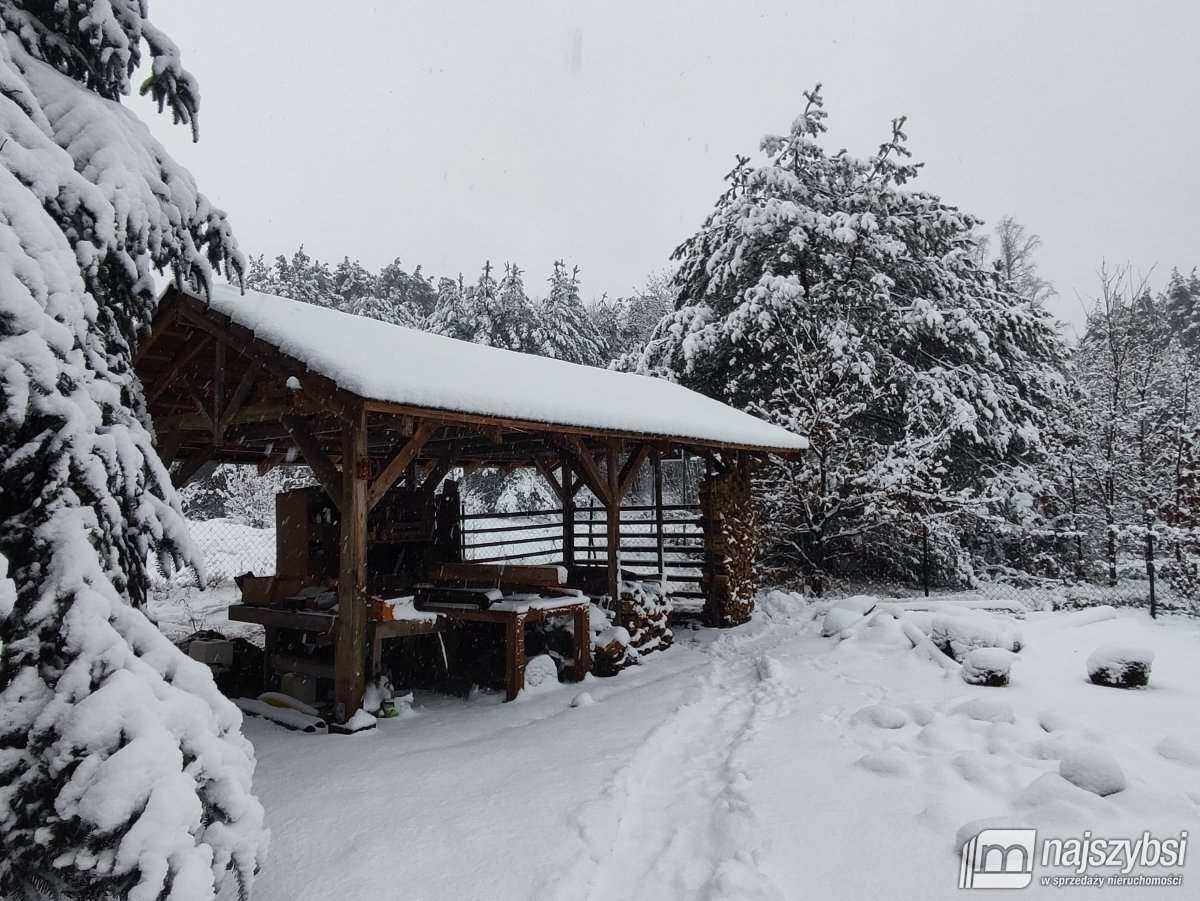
826	294
411	291
511	321
567	329
123	772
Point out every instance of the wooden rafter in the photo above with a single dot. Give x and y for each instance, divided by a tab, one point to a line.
396	466
218	393
547	472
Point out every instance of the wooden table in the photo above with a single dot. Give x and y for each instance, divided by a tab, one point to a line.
513	614
325	624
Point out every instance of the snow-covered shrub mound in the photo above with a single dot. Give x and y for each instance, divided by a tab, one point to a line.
959	632
1120	667
541	673
1092	770
986	710
1175	748
883	716
987	666
845	613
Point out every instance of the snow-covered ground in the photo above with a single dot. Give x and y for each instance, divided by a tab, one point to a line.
763	762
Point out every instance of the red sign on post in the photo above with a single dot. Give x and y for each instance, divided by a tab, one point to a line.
363	470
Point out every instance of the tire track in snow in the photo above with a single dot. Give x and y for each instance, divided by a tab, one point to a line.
675	821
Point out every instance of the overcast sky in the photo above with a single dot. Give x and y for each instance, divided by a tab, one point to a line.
450	133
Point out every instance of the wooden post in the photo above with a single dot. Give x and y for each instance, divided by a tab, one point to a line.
349	676
656	463
568	520
613	522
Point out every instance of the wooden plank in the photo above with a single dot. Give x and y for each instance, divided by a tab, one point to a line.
324	470
441	468
392	471
350	660
496	576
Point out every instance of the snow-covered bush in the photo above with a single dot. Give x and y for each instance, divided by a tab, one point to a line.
123	771
957	633
1120	667
987	666
844	613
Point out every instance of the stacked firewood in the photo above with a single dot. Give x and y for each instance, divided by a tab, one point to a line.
645	611
727	518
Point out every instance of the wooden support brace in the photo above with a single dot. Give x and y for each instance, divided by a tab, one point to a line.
585	466
218	391
317	460
163	382
240	394
440	468
271	461
547	472
630	470
191	466
396	466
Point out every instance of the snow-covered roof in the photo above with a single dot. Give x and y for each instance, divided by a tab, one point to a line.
392	364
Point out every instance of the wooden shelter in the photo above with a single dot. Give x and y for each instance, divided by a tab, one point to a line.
368	406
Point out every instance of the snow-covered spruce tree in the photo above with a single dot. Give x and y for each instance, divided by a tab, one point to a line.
123	772
567	329
827	295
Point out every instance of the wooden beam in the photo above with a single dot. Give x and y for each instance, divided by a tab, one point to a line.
396	466
163	381
397	423
189	467
470	466
351	650
322	467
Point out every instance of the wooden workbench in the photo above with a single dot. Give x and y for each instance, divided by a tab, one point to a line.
513	614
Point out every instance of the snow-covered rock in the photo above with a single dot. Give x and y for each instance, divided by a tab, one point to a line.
1120	667
987	666
583	699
